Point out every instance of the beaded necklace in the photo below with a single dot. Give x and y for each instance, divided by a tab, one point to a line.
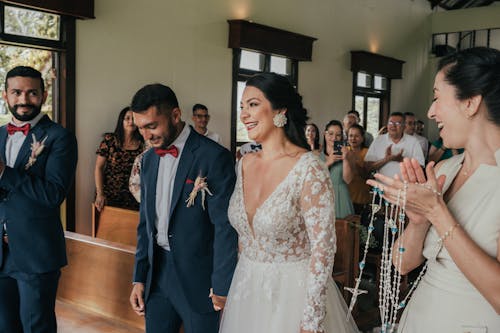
390	279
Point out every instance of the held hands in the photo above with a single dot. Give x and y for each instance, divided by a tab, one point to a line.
423	191
137	299
218	301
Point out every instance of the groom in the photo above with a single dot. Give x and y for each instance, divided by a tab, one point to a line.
186	248
37	167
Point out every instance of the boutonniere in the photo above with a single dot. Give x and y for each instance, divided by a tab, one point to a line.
200	185
36	150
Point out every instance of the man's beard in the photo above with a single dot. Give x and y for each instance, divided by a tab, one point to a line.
35	110
172	135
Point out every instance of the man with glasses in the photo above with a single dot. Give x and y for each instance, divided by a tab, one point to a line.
387	150
200	121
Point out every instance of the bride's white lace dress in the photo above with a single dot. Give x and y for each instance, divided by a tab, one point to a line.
282	282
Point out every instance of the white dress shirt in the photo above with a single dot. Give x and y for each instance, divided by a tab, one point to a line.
167	170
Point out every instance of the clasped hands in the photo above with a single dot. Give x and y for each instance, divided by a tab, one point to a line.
423	190
137	299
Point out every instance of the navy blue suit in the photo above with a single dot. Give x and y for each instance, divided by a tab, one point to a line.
203	245
30	202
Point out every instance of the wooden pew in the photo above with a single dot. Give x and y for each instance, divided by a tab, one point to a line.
98	278
345	268
115	224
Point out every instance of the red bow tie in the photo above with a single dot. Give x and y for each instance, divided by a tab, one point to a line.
172	150
11	128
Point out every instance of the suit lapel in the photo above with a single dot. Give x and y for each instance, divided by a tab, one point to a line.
185	162
3	141
39	131
150	176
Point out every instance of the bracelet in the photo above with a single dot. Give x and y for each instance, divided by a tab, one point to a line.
448	233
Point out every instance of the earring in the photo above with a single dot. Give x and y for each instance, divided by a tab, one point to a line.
279	120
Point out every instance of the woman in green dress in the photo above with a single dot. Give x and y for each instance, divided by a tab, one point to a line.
333	154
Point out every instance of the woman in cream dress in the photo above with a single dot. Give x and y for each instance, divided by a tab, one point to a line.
454	208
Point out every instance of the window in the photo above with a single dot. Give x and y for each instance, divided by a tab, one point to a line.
44	41
370	93
257	49
248	64
444	43
372	74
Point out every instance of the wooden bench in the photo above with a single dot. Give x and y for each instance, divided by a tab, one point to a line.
98	278
345	268
115	224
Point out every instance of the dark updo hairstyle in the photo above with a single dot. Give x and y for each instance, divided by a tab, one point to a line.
120	132
316	138
331	123
473	72
282	95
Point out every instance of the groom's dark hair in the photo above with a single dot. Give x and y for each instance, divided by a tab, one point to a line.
25	71
155	94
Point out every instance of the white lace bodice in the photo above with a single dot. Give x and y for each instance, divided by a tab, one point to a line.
295	223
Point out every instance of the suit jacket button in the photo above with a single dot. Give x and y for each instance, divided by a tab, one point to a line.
170	236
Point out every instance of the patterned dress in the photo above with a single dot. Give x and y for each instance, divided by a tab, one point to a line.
117	172
282	282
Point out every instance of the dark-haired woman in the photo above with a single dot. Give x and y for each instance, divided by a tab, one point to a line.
334	155
312	137
115	157
282	208
454	209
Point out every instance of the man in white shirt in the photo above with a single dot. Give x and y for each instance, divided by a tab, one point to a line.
410	129
387	150
200	121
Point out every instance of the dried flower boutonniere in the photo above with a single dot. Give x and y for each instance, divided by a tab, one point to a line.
200	185
36	150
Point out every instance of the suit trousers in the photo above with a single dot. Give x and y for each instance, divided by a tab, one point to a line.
167	306
27	300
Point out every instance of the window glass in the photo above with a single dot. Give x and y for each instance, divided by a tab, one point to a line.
379	82
31	23
495	38
373	115
12	56
241	131
364	80
481	38
252	60
281	65
359	105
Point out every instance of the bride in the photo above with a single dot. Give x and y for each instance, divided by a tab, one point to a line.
283	210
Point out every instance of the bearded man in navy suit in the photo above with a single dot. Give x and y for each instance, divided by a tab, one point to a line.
186	248
37	167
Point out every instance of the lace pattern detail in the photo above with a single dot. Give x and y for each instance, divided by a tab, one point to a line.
295	223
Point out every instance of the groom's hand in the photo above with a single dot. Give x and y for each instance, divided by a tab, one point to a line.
137	298
218	301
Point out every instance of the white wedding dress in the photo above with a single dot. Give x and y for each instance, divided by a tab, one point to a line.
282	282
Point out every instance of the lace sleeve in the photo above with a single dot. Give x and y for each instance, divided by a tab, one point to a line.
317	207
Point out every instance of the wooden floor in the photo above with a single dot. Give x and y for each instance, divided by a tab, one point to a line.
73	320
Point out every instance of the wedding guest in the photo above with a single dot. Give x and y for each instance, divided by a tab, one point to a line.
358	189
334	155
283	209
115	157
312	136
200	122
453	208
37	168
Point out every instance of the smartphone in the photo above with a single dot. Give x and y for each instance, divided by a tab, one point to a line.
337	147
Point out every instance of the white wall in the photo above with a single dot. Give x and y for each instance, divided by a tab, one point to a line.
183	43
